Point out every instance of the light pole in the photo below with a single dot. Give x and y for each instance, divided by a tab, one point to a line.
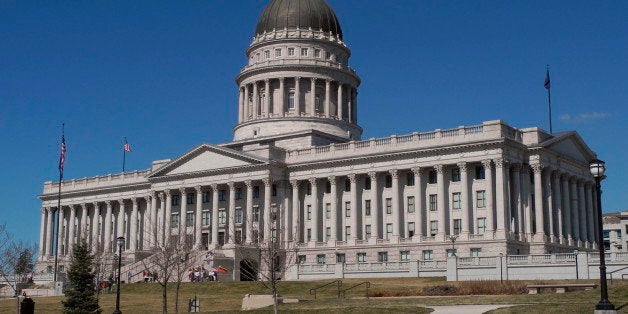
453	239
120	241
597	169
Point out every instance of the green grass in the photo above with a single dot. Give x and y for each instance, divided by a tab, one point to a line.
227	297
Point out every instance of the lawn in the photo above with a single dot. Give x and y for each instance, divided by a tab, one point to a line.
227	297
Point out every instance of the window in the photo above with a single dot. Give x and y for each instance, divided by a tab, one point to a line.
190	198
455	175
361	257
327	233
327	55
457	226
277	52
189	219
222	195
367	183
327	187
481	225
291	52
410	229
256	191
304	52
433	204
432	177
238	236
273	235
238	215
388	231
389	206
479	172
308	188
267	54
317	53
255	214
340	257
257	56
388	182
367	231
476	251
428	255
347	232
174	220
433	227
347	185
309	234
238	193
480	199
410	179
205	218
347	209
176	200
206	197
404	256
309	212
222	216
451	252
301	259
320	259
456	202
382	257
327	211
318	104
410	204
291	100
367	207
273	190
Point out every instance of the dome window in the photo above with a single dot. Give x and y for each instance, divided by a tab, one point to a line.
267	54
317	53
304	52
277	53
291	52
328	55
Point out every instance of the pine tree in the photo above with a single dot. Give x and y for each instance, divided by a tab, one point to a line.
80	294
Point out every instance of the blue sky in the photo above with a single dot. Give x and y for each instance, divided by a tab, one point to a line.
162	74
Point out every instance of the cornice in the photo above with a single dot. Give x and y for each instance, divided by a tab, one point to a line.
295	67
95	191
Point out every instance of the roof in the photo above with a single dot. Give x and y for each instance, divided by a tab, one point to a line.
302	14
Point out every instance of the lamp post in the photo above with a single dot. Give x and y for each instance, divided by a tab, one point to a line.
453	239
120	241
597	169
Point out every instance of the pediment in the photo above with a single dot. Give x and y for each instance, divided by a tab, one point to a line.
571	145
208	158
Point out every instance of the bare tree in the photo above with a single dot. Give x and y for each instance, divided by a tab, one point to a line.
16	261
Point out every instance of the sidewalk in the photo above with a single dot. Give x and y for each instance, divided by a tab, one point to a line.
466	309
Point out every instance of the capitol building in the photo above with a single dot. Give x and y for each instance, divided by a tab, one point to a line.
299	172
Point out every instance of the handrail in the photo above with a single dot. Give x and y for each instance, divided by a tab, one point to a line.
366	283
614	271
338	282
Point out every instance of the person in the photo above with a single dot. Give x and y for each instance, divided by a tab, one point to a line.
110	283
128	276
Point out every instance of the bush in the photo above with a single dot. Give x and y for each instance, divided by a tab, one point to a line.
485	287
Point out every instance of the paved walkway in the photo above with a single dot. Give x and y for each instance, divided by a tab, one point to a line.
466	309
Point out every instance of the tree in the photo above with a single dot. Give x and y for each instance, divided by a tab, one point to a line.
80	294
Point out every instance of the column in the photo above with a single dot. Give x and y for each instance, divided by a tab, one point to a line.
418	202
121	228
464	198
516	187
313	97
145	237
231	231
502	207
151	231
96	229
375	210
582	212
295	211
240	105
71	227
538	202
42	233
49	235
215	214
255	101
268	222
198	231
247	104
575	223
354	206
490	211
547	184
334	211
280	106
440	200
396	213
133	225
267	98
297	95
340	114
168	218
567	208
183	211
350	104
161	225
559	207
315	216
327	100
108	227
590	211
249	211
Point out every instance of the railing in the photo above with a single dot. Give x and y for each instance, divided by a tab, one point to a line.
316	268
367	284
432	264
477	261
378	266
337	282
610	274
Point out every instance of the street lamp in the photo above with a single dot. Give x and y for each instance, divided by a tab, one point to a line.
120	241
453	239
597	169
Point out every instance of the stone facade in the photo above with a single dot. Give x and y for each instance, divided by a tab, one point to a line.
297	170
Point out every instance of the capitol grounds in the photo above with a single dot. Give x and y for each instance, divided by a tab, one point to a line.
394	295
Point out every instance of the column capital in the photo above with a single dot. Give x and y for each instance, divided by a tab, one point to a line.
314	79
214	186
353	177
327	81
312	181
294	183
182	191
134	201
266	81
297	78
121	202
161	196
556	174
487	163
340	84
501	162
516	167
148	198
537	167
332	180
167	192
267	181
373	175
95	204
417	170
439	169
282	79
198	189
248	184
231	186
394	173
462	166
108	203
83	205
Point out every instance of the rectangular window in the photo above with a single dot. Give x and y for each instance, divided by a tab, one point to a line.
238	236
433	227
206	197
256	191
389	206
388	231
410	229
457	226
190	198
291	100
327	55
367	231
222	216
455	175
340	257
317	53
255	213
481	225
410	179
382	257
347	209
455	200
432	177
388	182
304	52
174	220
267	54
433	204
479	172
361	257
238	215
327	233
476	251
410	204
480	199
309	212
205	218
238	193
277	52
347	232
273	190
291	52
189	219
367	183
308	189
222	195
428	255
301	259
327	211
404	256
176	200
347	185
320	259
367	207
309	234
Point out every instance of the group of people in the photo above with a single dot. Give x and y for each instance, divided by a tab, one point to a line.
199	273
149	276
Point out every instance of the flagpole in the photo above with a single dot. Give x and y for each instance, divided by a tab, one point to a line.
549	101
56	217
124	155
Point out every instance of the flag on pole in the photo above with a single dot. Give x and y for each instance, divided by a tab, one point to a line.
127	146
547	80
62	155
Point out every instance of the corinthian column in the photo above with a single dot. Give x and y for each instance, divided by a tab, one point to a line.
247	103
464	198
249	211
354	207
418	203
375	210
582	216
231	231
334	210
502	207
42	233
49	235
538	202
315	216
168	217
240	105
198	232
340	113
327	100
255	101
267	98
121	228
490	209
96	229
215	215
441	206
313	97
133	225
296	218
108	226
268	221
559	207
297	95
396	213
567	205
183	212
280	106
72	231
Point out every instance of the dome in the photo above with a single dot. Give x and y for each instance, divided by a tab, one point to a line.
303	14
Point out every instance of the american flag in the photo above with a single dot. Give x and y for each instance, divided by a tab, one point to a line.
547	80
62	155
127	146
